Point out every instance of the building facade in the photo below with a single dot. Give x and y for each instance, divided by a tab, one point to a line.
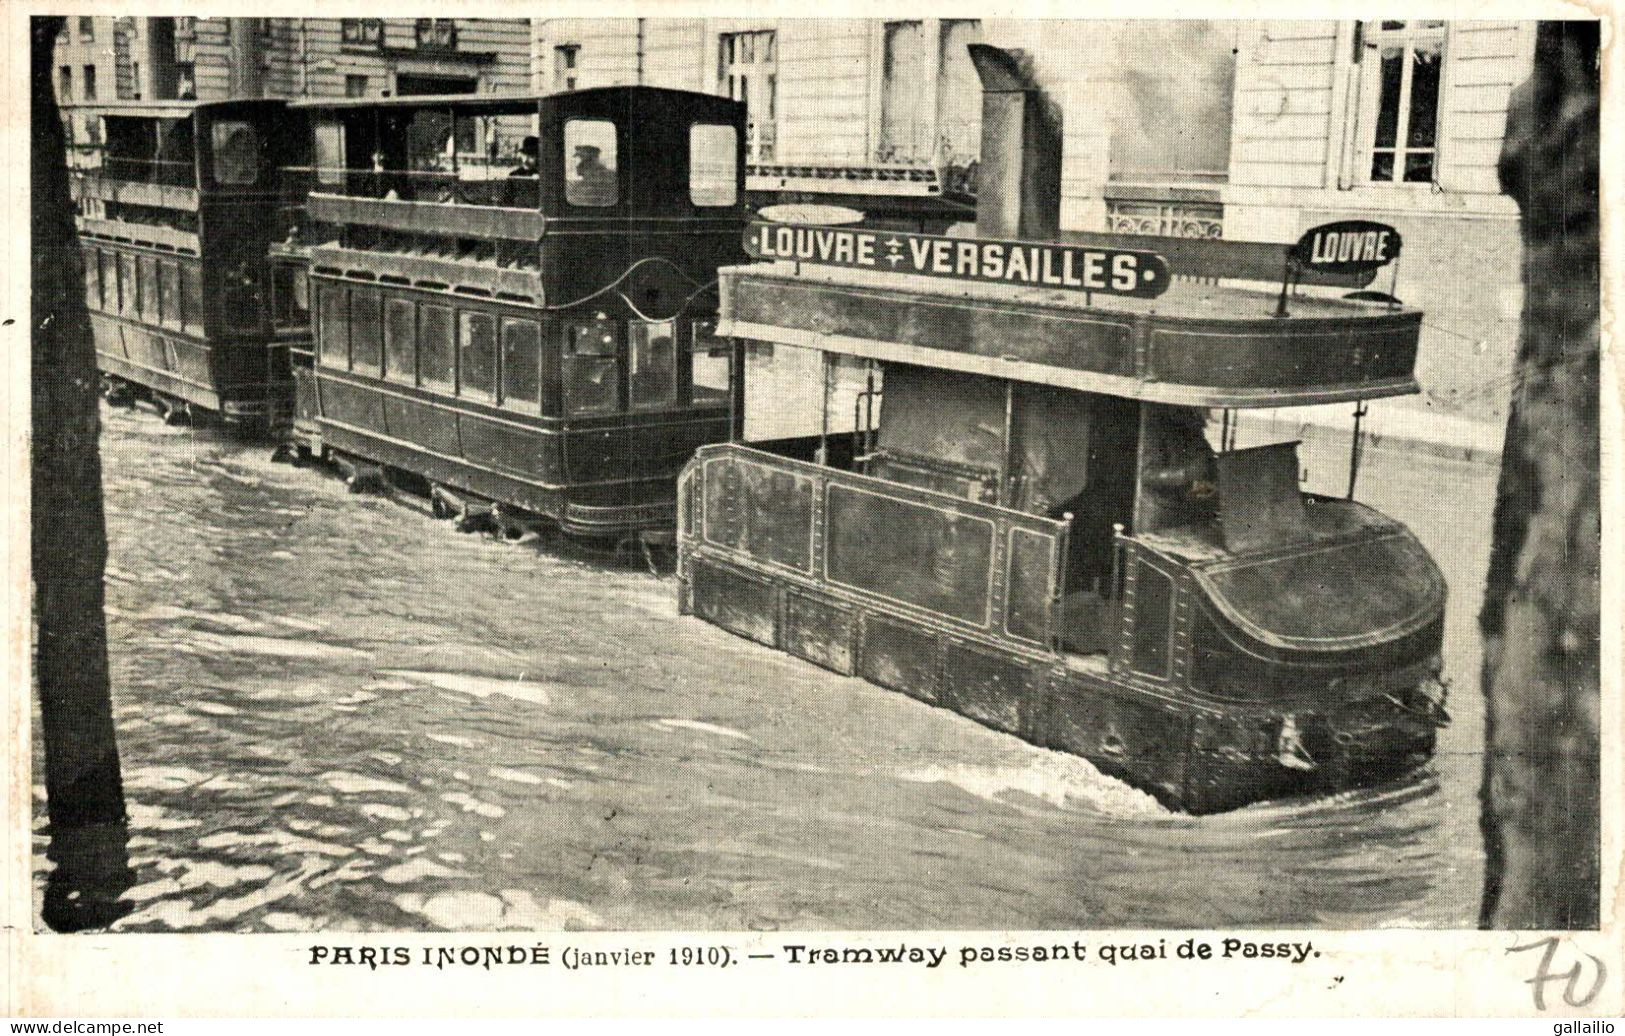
1251	130
85	69
1401	122
211	58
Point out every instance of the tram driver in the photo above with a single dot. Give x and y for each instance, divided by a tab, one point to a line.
594	182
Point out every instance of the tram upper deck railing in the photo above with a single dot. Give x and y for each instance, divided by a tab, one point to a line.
1201	343
155	183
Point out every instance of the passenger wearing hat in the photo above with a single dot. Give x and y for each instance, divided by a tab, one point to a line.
517	193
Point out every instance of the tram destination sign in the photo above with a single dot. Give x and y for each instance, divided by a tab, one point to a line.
1347	246
1026	263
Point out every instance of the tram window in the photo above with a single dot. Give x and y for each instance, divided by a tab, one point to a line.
400	340
192	297
710	365
129	302
290	297
1153	602
333	326
93	279
366	332
652	363
149	289
437	364
109	265
169	293
477	355
591	368
589	159
521	340
713	157
329	153
236	153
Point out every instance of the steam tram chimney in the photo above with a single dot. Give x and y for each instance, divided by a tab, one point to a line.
1019	190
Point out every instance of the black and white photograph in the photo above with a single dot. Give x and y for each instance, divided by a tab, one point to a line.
742	474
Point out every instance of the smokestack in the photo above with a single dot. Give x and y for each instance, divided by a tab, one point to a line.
1018	192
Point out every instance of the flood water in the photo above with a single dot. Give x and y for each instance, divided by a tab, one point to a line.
336	713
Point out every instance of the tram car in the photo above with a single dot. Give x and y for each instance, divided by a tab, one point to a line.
174	213
512	299
1041	533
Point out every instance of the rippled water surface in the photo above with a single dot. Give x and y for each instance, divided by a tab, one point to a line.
337	713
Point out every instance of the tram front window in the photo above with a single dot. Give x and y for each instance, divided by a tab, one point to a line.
652	364
713	156
590	157
710	365
591	368
236	153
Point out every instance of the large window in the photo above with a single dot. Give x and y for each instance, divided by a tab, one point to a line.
366	332
90	82
192	297
651	365
93	279
591	368
590	157
236	146
149	289
333	327
400	340
521	382
290	297
748	70
129	301
713	165
437	363
711	362
169	293
87	30
362	32
64	84
1400	99
564	67
477	355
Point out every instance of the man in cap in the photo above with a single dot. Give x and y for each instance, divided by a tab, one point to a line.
594	182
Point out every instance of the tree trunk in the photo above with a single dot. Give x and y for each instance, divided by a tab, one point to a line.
1541	608
84	789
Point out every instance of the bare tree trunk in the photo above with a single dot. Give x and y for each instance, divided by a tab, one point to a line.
84	788
1541	608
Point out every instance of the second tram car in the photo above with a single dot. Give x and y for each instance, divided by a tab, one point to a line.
175	204
514	297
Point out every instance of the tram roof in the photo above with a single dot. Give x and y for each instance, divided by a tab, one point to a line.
1200	344
170	108
513	101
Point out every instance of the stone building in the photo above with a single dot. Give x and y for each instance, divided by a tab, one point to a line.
1242	129
1401	122
85	69
208	58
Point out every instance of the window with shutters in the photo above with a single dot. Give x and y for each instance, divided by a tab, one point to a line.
362	32
1401	62
747	70
564	67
